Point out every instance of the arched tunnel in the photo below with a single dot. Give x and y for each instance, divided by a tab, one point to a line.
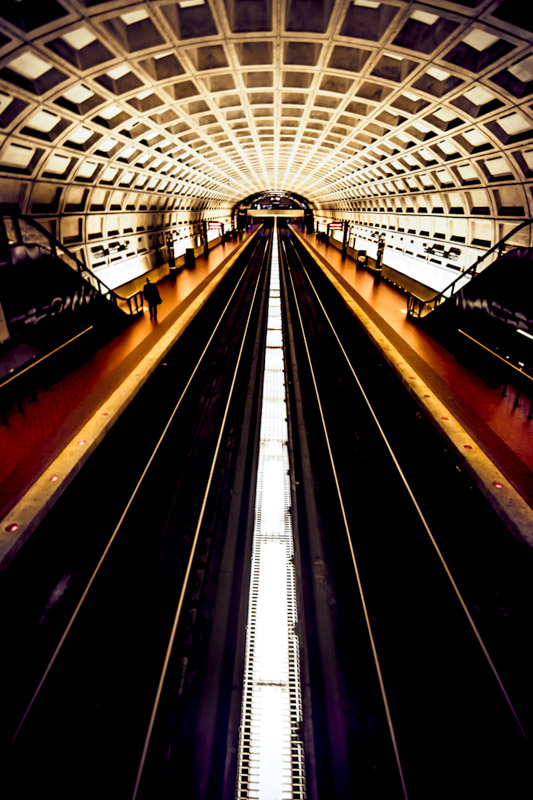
393	116
266	526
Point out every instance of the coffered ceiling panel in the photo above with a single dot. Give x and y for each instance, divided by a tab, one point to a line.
355	104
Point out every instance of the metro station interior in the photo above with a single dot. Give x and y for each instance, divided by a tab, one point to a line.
391	143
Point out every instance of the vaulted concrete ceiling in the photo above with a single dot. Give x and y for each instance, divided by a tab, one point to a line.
372	110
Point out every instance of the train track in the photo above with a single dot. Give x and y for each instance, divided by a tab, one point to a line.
128	607
418	682
133	555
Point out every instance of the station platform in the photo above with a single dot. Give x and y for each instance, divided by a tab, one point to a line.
42	445
499	430
34	439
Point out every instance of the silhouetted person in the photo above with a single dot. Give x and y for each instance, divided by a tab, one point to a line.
152	297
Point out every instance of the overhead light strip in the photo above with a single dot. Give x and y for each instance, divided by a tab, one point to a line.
271	755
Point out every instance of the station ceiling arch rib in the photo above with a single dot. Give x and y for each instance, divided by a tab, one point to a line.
411	117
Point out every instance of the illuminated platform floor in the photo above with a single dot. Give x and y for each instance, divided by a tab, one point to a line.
33	440
501	430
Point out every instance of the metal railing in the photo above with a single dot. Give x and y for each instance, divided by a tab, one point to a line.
19	384
510	374
22	231
416	304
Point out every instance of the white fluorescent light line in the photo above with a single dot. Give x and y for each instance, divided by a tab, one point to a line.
271	757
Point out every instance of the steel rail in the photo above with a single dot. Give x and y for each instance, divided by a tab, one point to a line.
423	520
196	536
350	545
43	358
122	518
